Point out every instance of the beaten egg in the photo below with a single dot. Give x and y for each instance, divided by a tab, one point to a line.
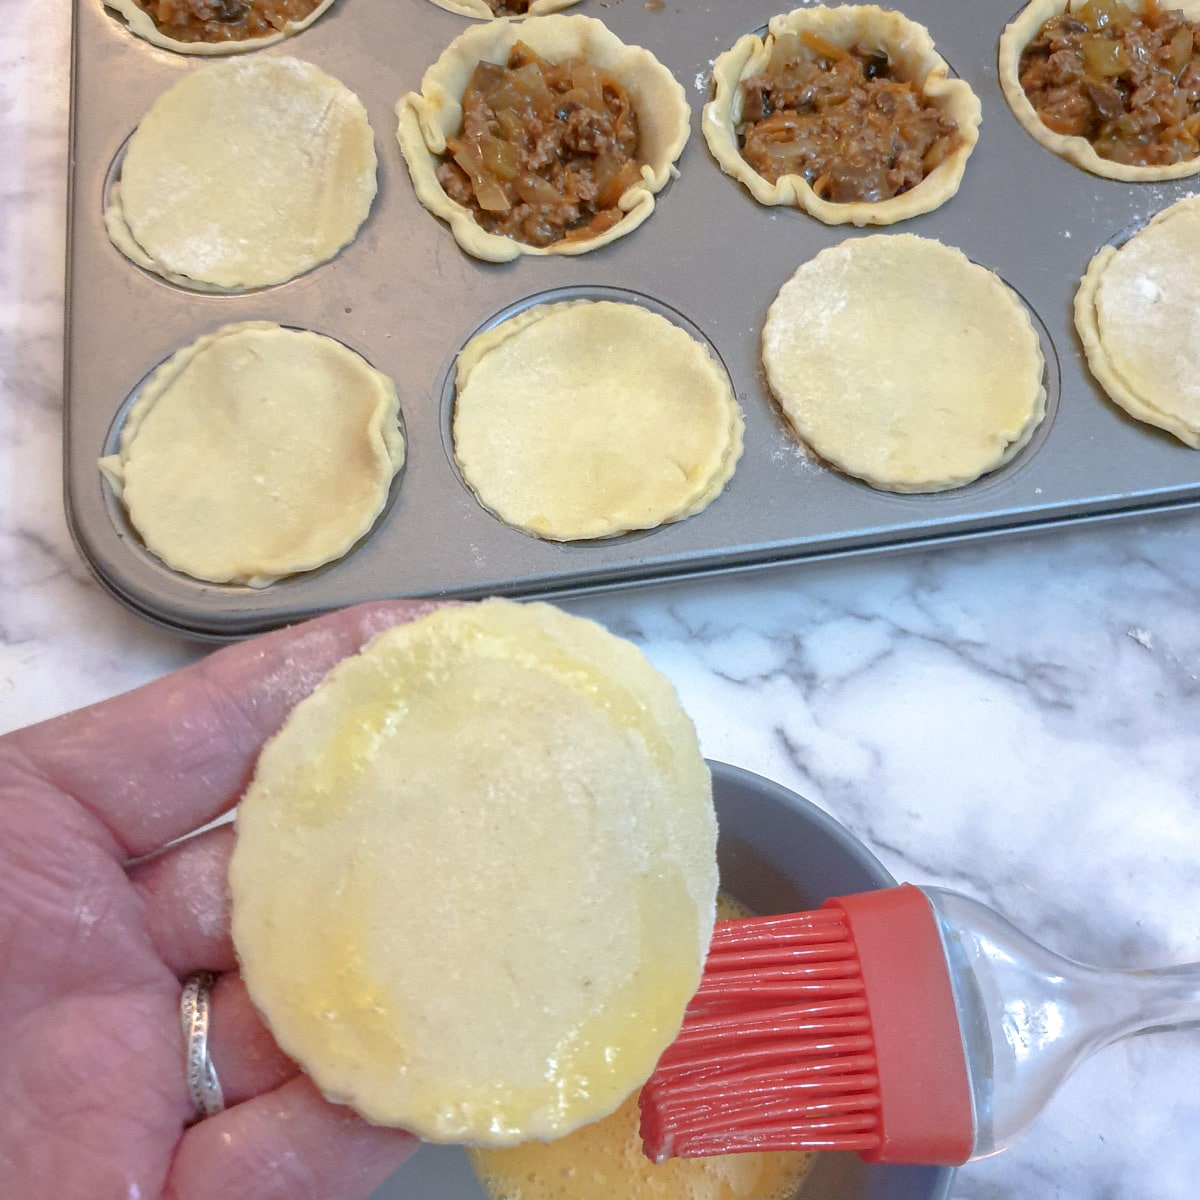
604	1161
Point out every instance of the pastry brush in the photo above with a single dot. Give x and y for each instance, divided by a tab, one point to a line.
910	1025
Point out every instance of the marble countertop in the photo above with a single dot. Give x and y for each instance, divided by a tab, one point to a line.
1018	719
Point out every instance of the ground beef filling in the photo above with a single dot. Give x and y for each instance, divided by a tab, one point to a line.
224	20
842	120
545	151
509	8
1128	82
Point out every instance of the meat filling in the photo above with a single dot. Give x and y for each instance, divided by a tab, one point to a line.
545	150
509	8
224	20
1128	82
842	119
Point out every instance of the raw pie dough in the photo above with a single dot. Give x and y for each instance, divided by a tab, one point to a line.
481	10
908	46
1138	313
475	875
901	362
244	174
585	419
140	23
257	452
1016	36
427	118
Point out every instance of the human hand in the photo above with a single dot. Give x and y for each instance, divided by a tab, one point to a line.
101	917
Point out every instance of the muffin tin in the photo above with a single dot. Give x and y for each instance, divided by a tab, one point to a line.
406	298
777	852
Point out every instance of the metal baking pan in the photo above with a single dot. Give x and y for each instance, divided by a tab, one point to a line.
405	297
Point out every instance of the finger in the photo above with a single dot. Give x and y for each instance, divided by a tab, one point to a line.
161	761
244	1054
287	1145
185	894
186	904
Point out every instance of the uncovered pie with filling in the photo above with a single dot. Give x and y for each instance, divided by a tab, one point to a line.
899	361
217	26
257	452
1137	311
543	136
585	419
1110	85
848	113
488	10
475	875
244	174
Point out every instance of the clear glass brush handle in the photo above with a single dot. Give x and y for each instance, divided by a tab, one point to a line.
1029	1016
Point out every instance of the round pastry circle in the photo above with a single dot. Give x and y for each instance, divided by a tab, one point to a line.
427	118
257	452
481	11
1016	36
899	361
908	45
475	875
243	174
584	419
1137	311
141	23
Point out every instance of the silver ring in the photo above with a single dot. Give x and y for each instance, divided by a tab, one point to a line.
202	1080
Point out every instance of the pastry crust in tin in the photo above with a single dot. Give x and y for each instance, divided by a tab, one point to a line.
142	24
1136	312
908	46
480	10
1078	150
426	119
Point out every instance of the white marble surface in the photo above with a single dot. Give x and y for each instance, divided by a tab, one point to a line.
1019	719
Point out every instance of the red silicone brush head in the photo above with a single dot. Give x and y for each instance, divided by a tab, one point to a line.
826	1030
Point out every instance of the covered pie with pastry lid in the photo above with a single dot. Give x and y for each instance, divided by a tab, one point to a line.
257	452
1137	311
899	361
244	174
589	418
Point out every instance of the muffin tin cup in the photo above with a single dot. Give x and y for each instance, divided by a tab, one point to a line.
407	298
